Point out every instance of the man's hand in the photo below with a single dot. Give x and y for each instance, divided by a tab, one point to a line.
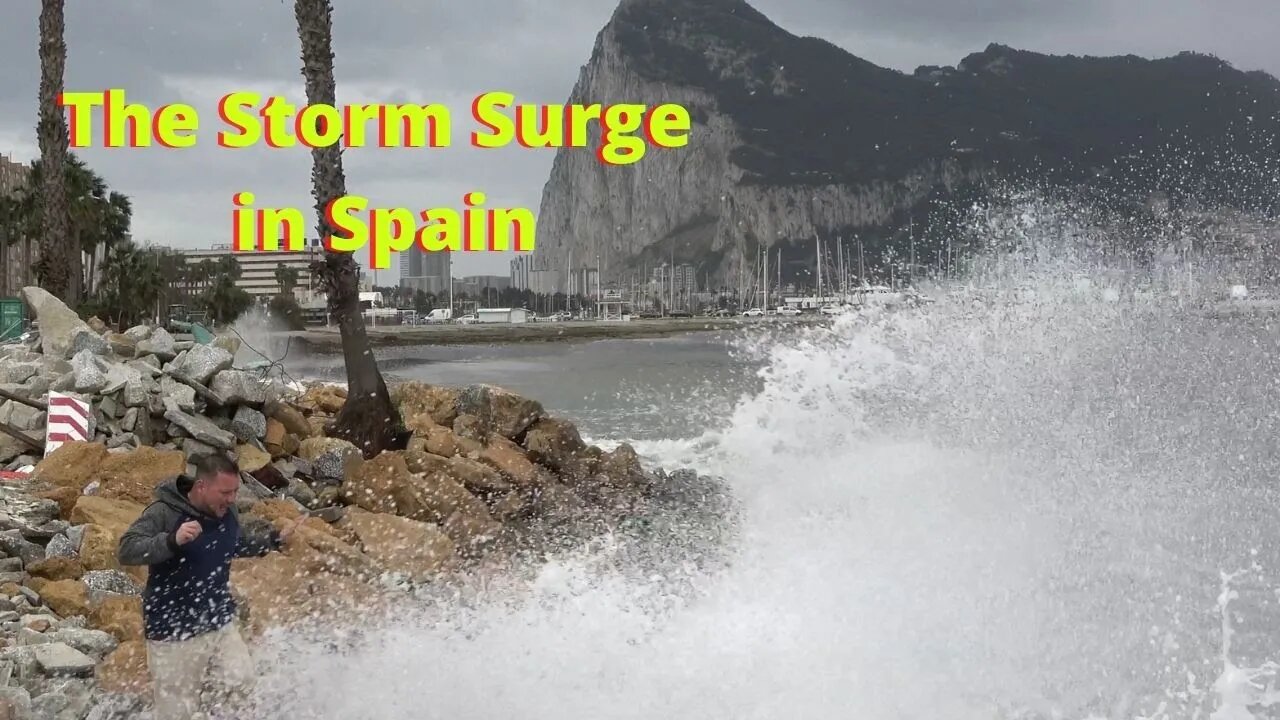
288	529
189	531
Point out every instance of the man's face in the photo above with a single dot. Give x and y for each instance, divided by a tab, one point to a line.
216	494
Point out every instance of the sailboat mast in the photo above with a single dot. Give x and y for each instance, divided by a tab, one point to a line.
764	276
844	276
818	243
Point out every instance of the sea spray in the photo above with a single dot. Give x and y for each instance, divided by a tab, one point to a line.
1014	502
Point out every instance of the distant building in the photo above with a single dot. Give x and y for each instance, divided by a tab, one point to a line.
258	269
425	271
532	273
680	280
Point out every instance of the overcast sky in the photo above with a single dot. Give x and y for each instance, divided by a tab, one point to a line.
421	51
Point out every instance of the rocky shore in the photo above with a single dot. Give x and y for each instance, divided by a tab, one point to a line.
488	477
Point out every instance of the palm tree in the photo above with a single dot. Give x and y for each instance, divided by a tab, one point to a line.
286	278
57	266
368	420
99	218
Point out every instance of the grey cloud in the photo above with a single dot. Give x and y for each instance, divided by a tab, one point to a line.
442	51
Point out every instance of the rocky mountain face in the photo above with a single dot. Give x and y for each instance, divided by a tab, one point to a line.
794	138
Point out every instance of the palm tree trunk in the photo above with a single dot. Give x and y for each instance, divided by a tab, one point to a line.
56	263
368	420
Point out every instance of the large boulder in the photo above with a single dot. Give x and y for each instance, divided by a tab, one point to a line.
418	549
507	458
417	398
59	324
501	410
202	362
134	475
556	443
445	442
332	459
72	465
107	520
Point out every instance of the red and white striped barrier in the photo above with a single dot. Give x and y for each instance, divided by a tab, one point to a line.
69	419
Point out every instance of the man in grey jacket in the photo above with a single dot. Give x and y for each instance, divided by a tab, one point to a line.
188	537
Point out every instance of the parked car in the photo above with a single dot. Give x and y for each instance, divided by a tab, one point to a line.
753	312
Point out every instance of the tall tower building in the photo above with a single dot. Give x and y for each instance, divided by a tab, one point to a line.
426	271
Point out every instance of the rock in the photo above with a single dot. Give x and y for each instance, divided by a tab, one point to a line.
330	458
274	437
114	582
473	428
446	443
23	417
160	343
554	442
125	669
238	387
501	410
138	333
418	549
292	419
110	513
122	345
476	477
119	615
90	372
66	597
72	465
375	484
15	703
96	324
248	424
33	389
11	565
507	458
194	449
147	367
620	468
14	545
21	511
60	547
95	643
134	475
18	373
66	700
251	459
324	398
57	568
75	533
89	341
415	398
62	659
135	395
58	323
202	362
303	493
198	427
106	521
183	395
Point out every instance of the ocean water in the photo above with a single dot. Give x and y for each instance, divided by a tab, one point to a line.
1054	507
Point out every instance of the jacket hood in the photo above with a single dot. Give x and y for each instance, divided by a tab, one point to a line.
169	494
